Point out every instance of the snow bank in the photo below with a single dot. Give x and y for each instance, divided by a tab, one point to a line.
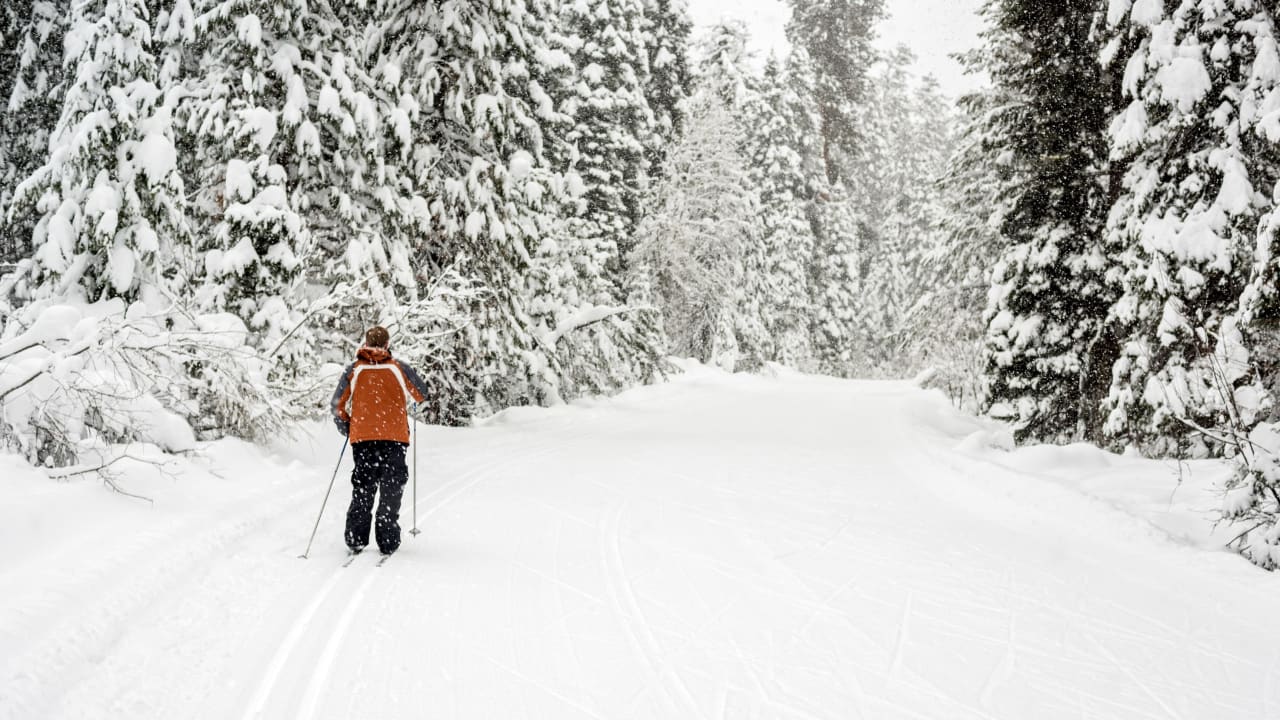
1181	499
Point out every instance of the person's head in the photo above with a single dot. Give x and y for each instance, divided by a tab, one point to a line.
377	337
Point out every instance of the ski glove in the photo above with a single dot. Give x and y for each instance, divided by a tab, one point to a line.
419	411
344	426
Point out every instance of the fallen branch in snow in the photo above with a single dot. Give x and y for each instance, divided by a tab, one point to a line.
106	477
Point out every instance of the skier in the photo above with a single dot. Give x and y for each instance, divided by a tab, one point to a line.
369	407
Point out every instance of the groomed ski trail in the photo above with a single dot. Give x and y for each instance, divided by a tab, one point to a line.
715	547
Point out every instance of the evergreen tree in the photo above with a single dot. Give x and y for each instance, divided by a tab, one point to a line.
667	32
841	242
109	202
778	141
1248	352
944	328
477	78
932	138
31	90
904	151
724	71
605	332
838	230
612	122
837	36
13	25
1201	177
725	63
276	138
1048	345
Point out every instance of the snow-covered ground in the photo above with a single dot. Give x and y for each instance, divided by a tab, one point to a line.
721	546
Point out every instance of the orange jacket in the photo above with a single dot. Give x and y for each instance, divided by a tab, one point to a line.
372	395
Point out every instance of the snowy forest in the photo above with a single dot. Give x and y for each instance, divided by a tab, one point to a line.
205	202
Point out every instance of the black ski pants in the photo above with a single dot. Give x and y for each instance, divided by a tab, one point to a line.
380	469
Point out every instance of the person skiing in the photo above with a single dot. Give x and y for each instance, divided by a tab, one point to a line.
369	407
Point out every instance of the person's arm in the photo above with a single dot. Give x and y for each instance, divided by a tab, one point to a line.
338	404
417	387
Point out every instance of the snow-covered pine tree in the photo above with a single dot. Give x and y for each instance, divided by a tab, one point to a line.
612	121
724	63
605	332
841	241
307	210
878	178
1248	351
944	329
31	89
1047	348
839	234
1252	363
13	25
918	217
836	35
1201	177
724	69
110	238
270	129
601	343
477	73
693	239
778	140
109	202
904	150
667	32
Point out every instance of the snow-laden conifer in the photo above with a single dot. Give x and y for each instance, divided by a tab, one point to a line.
601	324
273	135
109	201
612	120
778	141
943	328
1048	348
837	35
667	32
1198	130
905	145
725	70
476	76
31	89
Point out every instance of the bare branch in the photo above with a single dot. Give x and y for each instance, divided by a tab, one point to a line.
101	471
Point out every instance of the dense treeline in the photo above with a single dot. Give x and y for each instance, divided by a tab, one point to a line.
1127	152
206	200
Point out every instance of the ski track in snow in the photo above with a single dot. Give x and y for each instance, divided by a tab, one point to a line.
336	622
715	547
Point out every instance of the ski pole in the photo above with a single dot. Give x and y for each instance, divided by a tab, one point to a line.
415	529
326	499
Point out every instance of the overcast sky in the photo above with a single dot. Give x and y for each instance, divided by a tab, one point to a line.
933	29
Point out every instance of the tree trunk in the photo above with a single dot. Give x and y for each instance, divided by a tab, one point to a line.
1095	382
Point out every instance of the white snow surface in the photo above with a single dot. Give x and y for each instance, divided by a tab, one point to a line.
719	546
